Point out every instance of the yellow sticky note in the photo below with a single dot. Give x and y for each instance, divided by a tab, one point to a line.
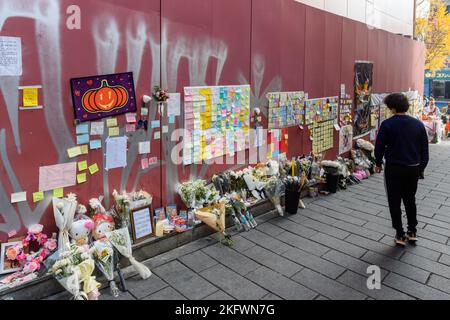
73	152
114	131
58	193
30	97
84	149
38	196
82	165
93	169
81	178
111	122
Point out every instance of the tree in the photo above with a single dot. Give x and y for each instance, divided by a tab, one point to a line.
434	31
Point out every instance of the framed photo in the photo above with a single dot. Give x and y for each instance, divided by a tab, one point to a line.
160	214
142	223
6	265
103	96
171	211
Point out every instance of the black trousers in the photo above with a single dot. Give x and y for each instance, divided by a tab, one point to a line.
401	184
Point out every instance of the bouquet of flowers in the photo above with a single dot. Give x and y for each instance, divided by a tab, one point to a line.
125	201
274	189
195	193
64	212
120	239
31	261
367	148
331	167
214	216
159	94
75	266
104	260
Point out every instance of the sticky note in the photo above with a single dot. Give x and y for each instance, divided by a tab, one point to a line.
171	119
131	117
97	128
81	178
82	165
30	97
152	160
114	131
18	197
130	128
144	147
38	196
73	152
165	129
58	193
95	144
144	112
156	124
93	168
157	135
111	122
84	149
83	139
82	128
144	163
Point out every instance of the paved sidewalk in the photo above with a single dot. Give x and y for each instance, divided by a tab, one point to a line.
321	253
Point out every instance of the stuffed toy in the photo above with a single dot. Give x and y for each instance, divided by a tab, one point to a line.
81	230
103	223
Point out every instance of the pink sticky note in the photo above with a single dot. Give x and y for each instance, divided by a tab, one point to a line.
144	163
130	128
131	117
152	160
12	233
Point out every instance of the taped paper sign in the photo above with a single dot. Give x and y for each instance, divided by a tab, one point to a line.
116	153
173	104
30	97
57	176
10	56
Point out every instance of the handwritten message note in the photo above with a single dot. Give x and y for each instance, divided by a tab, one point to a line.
57	176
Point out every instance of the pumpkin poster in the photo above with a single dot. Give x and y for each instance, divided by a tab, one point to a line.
103	96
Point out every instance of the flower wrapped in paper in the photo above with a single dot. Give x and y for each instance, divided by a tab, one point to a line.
214	217
75	266
274	189
120	239
64	212
104	260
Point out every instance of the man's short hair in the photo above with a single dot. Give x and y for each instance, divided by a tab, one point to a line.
397	101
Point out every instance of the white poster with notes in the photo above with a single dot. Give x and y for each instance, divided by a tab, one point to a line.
142	223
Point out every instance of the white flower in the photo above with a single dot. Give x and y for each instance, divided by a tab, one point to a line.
81	209
72	197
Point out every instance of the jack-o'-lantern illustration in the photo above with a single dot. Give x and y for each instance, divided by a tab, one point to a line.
105	99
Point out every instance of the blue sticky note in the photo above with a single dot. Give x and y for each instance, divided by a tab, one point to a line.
83	139
171	118
82	128
95	144
156	124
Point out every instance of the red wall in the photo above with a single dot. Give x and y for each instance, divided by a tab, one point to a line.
273	45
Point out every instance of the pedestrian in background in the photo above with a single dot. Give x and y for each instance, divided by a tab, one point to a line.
403	142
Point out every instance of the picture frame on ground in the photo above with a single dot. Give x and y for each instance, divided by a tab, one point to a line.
142	223
6	265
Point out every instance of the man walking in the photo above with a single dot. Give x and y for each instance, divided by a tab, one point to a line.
402	140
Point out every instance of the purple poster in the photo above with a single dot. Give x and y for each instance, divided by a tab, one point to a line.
103	96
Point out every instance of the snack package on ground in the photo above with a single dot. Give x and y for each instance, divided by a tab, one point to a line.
75	266
120	239
274	189
64	211
214	216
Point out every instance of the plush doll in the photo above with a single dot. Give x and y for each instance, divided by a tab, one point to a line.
103	223
81	230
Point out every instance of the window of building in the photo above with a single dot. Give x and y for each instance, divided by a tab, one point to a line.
440	89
